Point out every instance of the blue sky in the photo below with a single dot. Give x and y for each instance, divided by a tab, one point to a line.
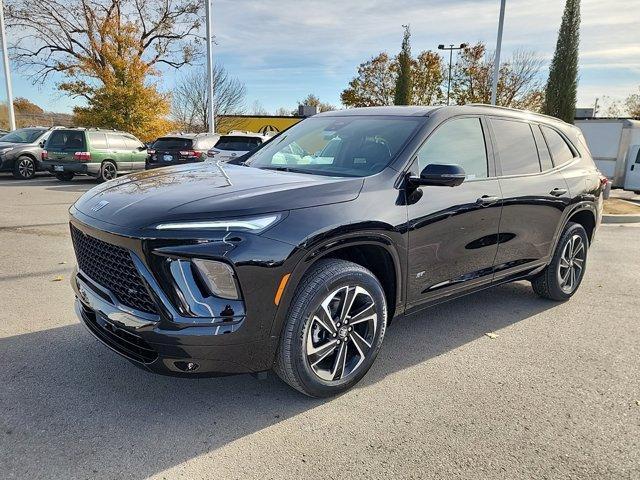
284	49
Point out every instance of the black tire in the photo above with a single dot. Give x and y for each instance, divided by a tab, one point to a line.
326	278
64	176
548	283
108	171
24	168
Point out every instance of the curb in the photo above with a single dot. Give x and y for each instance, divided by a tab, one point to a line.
611	218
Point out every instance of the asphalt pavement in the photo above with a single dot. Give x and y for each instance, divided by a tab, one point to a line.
555	395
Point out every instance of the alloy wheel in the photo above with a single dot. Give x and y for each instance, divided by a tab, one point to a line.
26	168
109	171
571	264
341	333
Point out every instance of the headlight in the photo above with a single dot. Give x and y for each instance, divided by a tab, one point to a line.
218	277
253	224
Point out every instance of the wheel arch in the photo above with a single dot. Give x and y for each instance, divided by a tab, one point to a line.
585	215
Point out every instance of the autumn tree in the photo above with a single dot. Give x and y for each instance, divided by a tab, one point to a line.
632	105
562	85
313	101
190	100
402	94
519	84
107	52
376	81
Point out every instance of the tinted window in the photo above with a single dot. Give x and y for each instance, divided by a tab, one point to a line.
237	143
116	142
23	135
66	140
98	140
515	147
459	142
543	151
560	151
173	143
366	145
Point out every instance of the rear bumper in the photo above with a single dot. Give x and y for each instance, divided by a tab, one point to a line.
75	167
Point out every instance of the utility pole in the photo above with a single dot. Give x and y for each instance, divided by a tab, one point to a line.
209	36
7	72
451	48
496	65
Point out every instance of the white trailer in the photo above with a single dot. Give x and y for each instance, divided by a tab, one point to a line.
615	147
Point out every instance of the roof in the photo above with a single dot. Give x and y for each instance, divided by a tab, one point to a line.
398	111
188	135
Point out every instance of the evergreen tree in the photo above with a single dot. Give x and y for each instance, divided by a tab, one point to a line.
403	82
562	85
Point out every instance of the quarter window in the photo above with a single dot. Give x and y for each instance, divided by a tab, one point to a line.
543	150
515	147
560	151
459	142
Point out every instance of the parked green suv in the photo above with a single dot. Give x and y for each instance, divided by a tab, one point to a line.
102	154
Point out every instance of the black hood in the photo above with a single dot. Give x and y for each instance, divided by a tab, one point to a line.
209	191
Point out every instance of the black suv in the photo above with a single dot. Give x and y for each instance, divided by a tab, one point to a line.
180	148
21	150
297	261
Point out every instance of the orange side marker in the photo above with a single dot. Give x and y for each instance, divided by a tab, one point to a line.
283	283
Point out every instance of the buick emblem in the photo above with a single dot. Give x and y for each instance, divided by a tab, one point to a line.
100	205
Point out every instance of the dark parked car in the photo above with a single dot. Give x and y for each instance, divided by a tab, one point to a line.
298	261
180	148
21	151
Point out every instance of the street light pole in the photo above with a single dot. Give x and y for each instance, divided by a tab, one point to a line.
7	72
496	65
451	48
209	36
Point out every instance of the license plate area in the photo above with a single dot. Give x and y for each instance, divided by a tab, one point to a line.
58	168
168	158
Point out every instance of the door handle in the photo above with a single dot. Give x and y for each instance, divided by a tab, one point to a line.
558	192
487	200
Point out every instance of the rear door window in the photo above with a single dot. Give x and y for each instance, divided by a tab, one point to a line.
116	141
132	143
459	141
173	143
63	140
98	140
560	151
515	147
237	143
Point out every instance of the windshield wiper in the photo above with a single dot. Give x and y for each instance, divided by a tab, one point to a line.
290	170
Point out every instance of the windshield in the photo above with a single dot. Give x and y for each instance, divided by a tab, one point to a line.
337	146
23	135
237	143
172	143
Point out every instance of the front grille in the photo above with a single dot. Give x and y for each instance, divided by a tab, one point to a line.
112	267
124	342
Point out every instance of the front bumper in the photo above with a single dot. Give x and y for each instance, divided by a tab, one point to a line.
170	339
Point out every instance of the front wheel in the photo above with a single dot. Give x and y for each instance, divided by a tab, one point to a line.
562	277
334	330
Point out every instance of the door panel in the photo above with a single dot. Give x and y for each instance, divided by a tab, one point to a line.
453	239
119	151
453	232
632	178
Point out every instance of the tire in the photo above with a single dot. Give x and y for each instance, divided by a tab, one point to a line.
308	333
108	171
64	176
24	168
569	262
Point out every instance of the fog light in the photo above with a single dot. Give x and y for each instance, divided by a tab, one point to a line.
218	278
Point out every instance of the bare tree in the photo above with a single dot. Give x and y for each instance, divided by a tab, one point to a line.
190	106
80	37
519	83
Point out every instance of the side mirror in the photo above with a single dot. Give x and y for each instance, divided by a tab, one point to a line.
440	175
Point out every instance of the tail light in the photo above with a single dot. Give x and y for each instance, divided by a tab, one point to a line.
44	155
188	153
150	152
82	156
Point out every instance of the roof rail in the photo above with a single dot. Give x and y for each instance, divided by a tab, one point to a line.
511	109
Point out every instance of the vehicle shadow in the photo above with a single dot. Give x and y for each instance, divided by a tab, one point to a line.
70	408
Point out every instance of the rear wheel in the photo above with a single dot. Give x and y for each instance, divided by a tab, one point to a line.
108	171
24	168
562	277
335	328
64	176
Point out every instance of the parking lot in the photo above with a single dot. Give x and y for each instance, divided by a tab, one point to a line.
555	395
